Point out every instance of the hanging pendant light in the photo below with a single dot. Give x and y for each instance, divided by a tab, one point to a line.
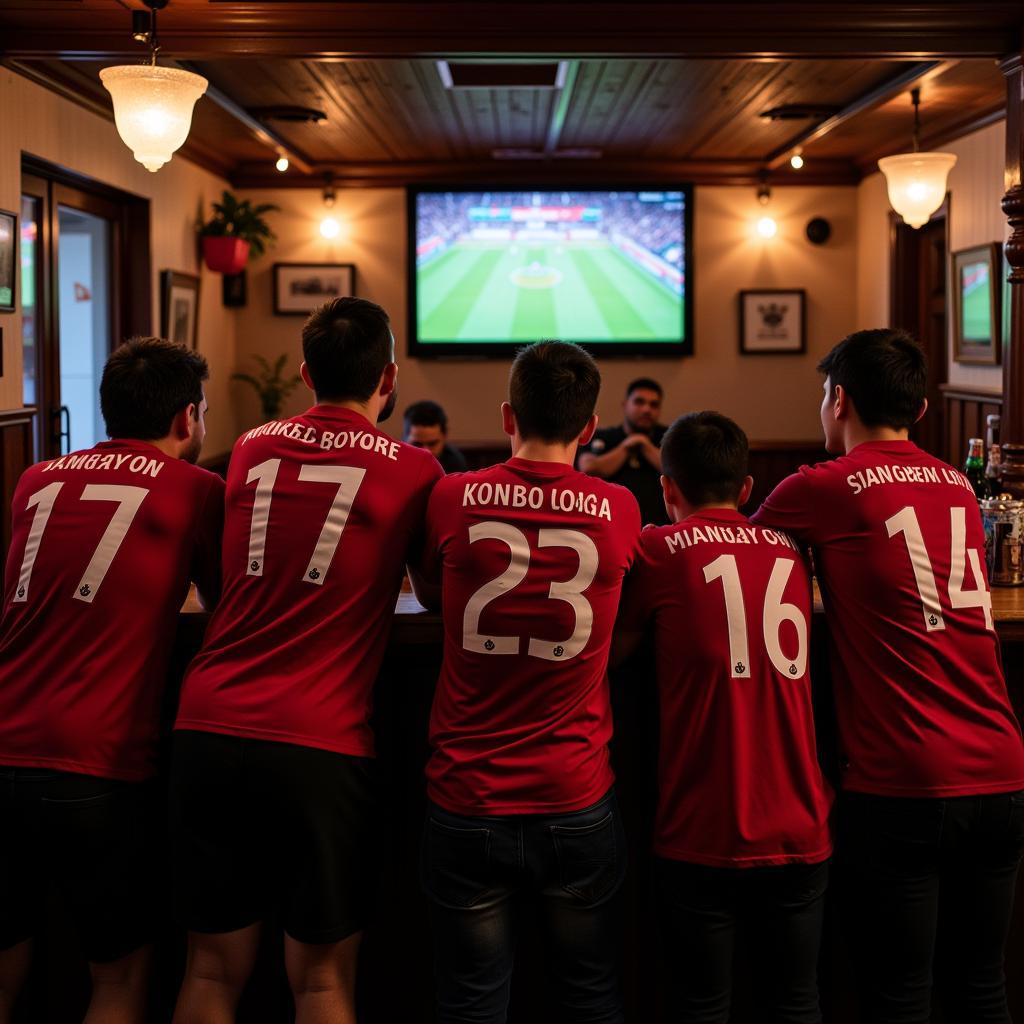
916	181
152	104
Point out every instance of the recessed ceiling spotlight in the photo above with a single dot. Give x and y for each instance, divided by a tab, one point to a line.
282	163
796	161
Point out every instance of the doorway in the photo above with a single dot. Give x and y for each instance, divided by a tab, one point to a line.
919	258
86	264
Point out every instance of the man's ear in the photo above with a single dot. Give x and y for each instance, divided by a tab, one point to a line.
744	495
508	419
181	425
306	379
388	380
588	431
840	402
924	409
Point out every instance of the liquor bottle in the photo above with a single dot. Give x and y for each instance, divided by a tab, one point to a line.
994	471
974	467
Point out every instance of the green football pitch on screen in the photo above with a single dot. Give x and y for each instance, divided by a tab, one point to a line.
578	291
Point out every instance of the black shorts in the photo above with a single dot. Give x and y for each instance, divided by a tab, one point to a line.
272	830
94	841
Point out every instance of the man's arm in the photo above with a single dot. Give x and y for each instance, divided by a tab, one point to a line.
793	506
426	591
611	462
206	556
424	562
651	452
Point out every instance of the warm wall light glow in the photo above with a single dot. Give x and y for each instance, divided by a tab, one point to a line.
330	228
796	161
282	164
152	108
766	227
917	183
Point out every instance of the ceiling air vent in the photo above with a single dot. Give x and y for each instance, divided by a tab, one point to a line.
799	112
501	75
292	115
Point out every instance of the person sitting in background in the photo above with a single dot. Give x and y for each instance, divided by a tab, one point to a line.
628	454
426	426
105	543
742	832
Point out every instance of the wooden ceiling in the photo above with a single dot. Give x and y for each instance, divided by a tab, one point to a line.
652	91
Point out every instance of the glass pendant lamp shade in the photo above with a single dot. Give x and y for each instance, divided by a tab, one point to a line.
152	108
917	183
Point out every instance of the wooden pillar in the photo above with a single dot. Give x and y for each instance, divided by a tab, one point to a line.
1013	207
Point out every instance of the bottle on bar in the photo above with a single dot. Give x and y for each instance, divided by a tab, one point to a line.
974	467
994	471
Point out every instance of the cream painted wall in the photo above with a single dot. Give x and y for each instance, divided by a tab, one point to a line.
37	122
774	397
976	189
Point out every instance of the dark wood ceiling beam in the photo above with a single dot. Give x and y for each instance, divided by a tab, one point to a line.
265	134
553	172
912	76
906	31
560	107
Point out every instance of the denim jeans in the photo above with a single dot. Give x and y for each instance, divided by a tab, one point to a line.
701	909
930	880
476	871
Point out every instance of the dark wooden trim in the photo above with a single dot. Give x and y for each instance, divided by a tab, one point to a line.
17	428
964	413
307	30
1013	249
968	394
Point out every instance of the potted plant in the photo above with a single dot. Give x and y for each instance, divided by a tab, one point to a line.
236	230
271	387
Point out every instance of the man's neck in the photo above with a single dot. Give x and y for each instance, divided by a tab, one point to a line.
858	434
360	408
167	445
629	428
685	511
543	451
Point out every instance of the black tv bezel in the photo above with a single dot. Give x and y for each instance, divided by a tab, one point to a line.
621	349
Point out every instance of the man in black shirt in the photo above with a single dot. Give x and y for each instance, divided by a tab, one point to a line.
629	454
426	426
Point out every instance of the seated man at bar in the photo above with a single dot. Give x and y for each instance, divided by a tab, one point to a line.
531	556
273	787
628	454
105	543
742	833
426	426
931	817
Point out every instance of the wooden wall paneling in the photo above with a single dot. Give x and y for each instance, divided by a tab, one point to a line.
1013	207
16	448
965	413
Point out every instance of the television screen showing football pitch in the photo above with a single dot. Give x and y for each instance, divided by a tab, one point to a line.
604	268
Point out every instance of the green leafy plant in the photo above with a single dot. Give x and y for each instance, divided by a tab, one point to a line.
241	220
270	385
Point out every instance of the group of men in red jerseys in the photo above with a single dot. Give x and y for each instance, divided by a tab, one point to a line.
273	791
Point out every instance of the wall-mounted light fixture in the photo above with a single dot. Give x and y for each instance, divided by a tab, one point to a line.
329	226
766	226
916	181
152	105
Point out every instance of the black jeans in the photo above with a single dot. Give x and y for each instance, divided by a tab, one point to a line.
701	909
930	880
476	871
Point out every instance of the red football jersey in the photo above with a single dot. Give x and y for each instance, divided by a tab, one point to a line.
899	552
321	513
533	556
738	778
104	545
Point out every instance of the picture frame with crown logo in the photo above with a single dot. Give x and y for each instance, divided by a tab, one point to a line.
773	321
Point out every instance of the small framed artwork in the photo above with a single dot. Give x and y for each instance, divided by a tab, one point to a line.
8	261
773	321
977	329
300	287
179	307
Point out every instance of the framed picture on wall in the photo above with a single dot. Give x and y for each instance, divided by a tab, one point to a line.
8	261
977	329
300	287
179	307
773	321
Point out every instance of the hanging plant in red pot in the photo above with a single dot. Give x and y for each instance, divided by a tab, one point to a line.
236	231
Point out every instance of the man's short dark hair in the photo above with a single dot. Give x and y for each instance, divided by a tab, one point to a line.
553	389
885	374
426	414
346	344
644	384
146	383
705	454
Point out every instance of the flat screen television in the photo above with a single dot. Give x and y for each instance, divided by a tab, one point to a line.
491	270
